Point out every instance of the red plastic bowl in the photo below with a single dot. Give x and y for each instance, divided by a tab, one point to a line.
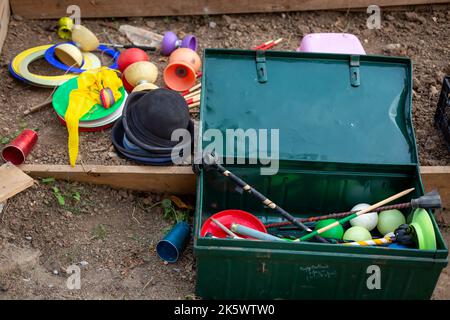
227	217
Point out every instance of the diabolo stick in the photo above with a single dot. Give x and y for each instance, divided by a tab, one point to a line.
354	215
430	200
255	193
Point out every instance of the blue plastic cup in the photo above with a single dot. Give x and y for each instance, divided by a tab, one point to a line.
171	246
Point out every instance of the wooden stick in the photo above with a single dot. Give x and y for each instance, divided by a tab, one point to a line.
359	213
262	45
37	107
193	105
193	99
193	88
190	95
273	44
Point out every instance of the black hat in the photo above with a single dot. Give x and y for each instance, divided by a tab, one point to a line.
145	157
150	118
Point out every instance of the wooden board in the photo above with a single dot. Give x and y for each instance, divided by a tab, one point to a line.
4	21
12	181
43	9
438	178
181	180
176	180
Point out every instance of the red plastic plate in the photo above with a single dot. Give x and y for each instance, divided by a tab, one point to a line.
227	217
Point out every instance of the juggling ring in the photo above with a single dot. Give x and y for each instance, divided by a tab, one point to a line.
14	65
51	58
19	67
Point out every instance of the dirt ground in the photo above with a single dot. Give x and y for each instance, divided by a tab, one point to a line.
111	234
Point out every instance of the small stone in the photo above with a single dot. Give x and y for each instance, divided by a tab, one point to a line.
416	83
28	238
212	24
147	201
50	286
433	90
439	76
17	17
414	17
55	272
392	46
390	17
233	26
228	19
150	24
83	263
112	155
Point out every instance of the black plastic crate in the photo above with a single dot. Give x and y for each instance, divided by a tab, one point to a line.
442	116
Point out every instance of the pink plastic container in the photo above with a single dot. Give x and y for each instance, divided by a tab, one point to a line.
331	43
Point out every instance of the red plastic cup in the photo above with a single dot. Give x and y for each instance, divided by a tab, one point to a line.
17	151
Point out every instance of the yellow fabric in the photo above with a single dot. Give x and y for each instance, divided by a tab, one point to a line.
81	100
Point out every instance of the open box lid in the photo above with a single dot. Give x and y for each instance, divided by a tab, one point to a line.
327	107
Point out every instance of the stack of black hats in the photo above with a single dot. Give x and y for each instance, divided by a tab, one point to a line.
144	133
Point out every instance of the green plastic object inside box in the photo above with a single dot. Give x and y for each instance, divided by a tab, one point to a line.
345	137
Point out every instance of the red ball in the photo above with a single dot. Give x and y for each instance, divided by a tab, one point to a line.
131	56
128	87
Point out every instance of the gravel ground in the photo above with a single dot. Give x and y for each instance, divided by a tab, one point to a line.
114	231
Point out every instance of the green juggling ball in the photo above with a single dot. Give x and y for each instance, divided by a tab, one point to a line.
390	220
334	233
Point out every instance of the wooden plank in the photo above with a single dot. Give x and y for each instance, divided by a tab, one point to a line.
438	178
43	9
176	179
12	181
4	21
181	180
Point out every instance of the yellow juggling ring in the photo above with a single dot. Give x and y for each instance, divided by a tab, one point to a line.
90	61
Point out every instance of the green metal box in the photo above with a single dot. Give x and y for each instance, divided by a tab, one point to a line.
346	137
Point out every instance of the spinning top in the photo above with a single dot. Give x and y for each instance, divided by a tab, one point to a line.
84	38
69	54
141	75
171	42
181	73
65	25
130	56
